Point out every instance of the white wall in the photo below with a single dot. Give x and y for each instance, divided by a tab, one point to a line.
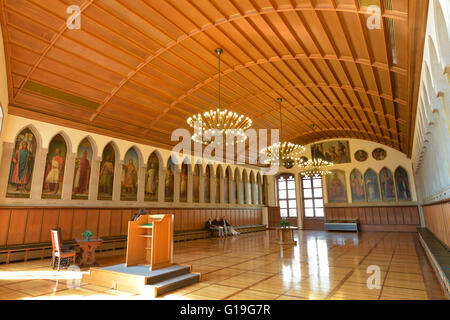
4	100
431	148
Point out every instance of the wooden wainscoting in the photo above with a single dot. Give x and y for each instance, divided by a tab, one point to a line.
437	220
395	218
23	226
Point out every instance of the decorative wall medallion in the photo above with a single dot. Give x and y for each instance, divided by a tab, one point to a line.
379	154
361	155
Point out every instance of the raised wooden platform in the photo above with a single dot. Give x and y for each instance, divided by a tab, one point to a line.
140	280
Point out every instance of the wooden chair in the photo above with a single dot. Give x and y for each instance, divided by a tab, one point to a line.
58	252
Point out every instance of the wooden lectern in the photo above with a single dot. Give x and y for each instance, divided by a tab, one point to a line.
150	241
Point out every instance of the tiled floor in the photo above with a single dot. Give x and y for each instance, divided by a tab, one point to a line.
252	267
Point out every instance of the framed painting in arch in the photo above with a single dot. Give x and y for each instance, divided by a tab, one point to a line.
196	183
361	156
183	182
55	166
402	183
169	183
106	175
152	178
336	187
357	185
379	154
130	173
22	165
387	185
218	186
336	152
372	187
226	186
82	171
207	184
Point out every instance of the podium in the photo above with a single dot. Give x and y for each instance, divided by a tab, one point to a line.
149	267
150	241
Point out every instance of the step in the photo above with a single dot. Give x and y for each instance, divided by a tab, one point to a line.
175	283
167	273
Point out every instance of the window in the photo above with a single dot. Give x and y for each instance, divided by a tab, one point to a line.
313	197
287	200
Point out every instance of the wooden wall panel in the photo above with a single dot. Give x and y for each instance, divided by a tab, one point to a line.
126	217
50	221
116	223
375	218
92	221
65	223
17	226
104	223
79	222
34	225
5	215
437	220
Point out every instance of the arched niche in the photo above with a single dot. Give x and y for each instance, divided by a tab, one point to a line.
22	164
86	153
130	174
55	166
110	156
152	176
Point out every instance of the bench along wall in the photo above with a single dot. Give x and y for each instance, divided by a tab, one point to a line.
395	218
27	226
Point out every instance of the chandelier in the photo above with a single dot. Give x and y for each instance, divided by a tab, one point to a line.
283	153
315	167
219	121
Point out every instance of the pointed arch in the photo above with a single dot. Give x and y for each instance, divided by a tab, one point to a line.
372	186
152	176
110	155
35	132
402	184
66	139
58	149
22	164
82	171
387	185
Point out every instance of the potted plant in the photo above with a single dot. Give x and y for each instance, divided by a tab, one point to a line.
87	235
284	223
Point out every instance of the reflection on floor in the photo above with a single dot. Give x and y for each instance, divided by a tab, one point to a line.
322	266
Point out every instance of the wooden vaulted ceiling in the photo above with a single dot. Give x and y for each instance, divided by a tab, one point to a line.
138	69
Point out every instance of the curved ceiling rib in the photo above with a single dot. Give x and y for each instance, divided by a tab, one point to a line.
63	28
142	67
264	61
217	24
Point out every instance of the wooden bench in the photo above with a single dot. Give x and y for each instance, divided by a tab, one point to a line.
439	256
40	251
341	225
202	233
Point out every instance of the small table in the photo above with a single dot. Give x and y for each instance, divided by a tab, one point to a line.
286	236
88	250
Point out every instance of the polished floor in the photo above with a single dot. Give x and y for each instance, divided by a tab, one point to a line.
253	267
